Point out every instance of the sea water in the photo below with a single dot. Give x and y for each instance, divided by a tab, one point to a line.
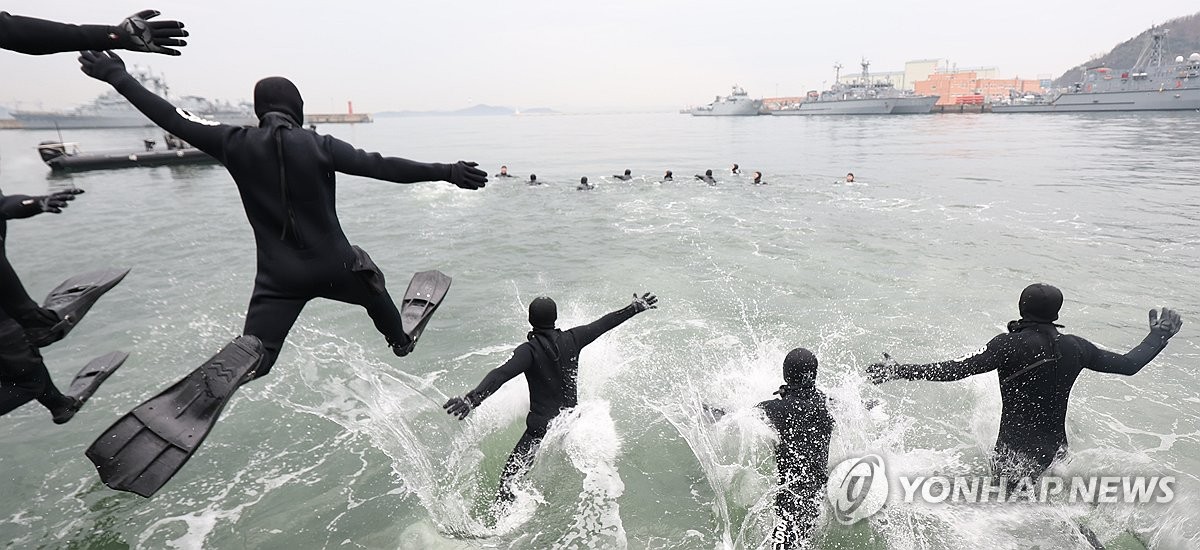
346	446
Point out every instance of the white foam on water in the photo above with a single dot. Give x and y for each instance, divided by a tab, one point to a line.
587	436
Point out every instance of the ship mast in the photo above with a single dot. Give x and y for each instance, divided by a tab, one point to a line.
866	75
837	72
1152	54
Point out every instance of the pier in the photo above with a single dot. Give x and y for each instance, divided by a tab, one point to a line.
338	118
348	117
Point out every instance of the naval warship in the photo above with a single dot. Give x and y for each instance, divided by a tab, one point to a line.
111	110
1151	85
861	97
735	104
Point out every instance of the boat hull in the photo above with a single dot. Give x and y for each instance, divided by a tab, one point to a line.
841	107
50	121
1179	99
741	108
914	105
83	162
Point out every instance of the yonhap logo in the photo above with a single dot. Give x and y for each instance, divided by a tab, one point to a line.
858	488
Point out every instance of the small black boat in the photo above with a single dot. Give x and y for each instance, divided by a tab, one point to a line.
66	157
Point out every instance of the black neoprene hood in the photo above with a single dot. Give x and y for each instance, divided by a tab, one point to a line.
1040	302
278	94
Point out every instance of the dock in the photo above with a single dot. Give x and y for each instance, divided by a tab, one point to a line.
348	117
338	118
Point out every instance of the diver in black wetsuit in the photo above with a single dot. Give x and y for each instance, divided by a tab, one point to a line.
1037	367
533	180
136	33
503	173
285	176
735	170
584	185
628	175
758	179
669	176
23	375
800	416
550	362
707	177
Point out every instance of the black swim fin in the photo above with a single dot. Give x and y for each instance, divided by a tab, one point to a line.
71	300
425	293
95	373
142	450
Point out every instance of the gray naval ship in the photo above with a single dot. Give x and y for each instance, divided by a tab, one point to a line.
1151	85
862	97
735	104
111	110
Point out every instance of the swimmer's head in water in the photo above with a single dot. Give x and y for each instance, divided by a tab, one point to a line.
735	167
800	367
669	173
532	177
850	176
708	173
1040	302
276	94
628	171
543	312
583	180
757	176
503	169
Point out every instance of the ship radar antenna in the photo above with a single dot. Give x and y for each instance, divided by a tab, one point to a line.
837	72
866	75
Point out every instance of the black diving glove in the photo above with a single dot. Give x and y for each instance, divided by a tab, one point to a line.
139	34
647	301
32	206
884	371
465	175
459	406
1166	325
55	202
105	66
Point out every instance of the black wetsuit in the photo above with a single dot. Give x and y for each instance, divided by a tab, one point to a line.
1037	367
802	420
302	252
40	37
23	375
550	362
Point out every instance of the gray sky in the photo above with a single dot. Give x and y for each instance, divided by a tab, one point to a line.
570	55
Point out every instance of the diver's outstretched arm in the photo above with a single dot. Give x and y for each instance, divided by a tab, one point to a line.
991	358
39	36
348	160
14	300
588	333
206	135
520	361
1161	330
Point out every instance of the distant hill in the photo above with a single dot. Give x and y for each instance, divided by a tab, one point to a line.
1183	38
